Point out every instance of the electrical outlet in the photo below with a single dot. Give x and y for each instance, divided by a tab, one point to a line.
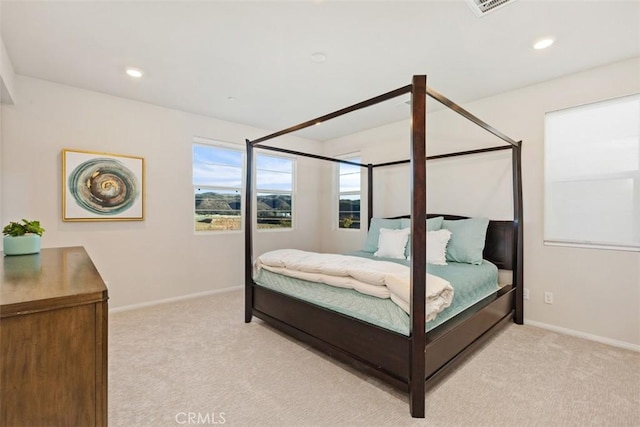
525	293
548	297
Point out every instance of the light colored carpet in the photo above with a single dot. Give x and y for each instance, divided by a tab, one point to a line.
198	359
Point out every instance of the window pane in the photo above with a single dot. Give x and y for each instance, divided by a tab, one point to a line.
596	157
350	176
271	163
350	182
217	210
217	166
575	215
217	155
349	204
346	168
274	210
280	181
274	173
274	182
217	175
349	211
594	140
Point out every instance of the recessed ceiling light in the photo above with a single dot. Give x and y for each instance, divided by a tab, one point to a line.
134	72
318	57
543	43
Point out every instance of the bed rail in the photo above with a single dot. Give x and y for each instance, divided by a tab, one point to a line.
364	104
464	113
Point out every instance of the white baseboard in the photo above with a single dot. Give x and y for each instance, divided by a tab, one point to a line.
591	337
173	299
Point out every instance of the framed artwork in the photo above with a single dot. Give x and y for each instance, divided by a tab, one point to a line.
102	186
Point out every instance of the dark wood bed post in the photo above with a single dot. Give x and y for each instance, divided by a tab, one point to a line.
518	224
369	194
248	238
418	246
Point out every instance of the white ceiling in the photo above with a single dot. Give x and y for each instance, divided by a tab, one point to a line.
198	54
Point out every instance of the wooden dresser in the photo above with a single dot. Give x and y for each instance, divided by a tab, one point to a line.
53	340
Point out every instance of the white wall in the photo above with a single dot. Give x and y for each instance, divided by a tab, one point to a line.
142	261
7	76
596	292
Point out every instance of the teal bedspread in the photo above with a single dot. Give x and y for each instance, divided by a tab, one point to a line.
471	284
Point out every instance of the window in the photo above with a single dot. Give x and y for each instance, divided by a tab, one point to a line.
592	175
217	183
274	188
349	194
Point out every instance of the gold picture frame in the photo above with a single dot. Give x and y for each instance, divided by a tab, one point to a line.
102	186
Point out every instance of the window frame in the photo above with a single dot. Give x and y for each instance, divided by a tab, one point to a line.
211	143
351	157
258	190
597	177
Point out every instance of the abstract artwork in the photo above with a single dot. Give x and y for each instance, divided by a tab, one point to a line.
102	187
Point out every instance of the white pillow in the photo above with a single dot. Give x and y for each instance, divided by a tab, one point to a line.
391	243
437	246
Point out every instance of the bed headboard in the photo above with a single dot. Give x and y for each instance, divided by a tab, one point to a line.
498	247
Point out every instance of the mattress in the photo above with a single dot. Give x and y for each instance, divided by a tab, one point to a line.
471	284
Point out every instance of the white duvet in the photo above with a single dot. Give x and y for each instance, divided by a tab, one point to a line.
381	279
439	293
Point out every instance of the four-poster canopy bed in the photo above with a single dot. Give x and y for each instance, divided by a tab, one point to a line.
409	362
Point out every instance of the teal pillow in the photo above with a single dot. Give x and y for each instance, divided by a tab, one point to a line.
371	243
467	239
433	224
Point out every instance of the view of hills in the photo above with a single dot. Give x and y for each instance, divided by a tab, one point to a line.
218	204
273	209
212	203
349	213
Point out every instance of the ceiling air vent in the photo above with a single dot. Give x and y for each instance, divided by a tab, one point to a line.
482	7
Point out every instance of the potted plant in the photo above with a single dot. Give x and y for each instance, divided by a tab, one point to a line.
22	238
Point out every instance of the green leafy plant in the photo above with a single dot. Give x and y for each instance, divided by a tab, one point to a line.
27	227
347	222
